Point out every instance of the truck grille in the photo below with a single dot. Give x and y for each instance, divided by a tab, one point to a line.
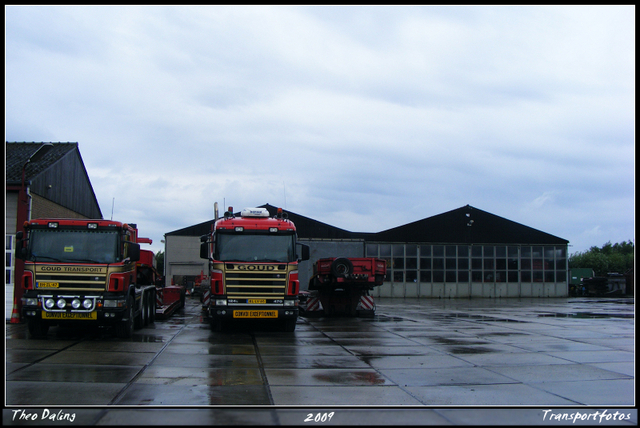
255	284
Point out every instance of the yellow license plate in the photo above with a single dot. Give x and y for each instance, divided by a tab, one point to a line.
69	316
257	301
255	314
48	284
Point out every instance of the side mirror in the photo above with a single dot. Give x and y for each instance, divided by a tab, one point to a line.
21	251
134	252
204	250
304	251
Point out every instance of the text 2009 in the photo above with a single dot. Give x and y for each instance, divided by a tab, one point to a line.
320	417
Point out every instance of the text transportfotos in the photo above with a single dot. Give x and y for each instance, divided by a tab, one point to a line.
593	416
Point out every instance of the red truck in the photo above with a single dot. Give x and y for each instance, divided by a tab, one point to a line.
341	285
86	271
253	268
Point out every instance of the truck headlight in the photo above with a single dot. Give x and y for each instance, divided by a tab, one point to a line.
61	303
221	302
289	302
114	303
75	304
49	303
30	301
87	304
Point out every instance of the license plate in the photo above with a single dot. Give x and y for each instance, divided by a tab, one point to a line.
47	284
69	315
257	301
255	314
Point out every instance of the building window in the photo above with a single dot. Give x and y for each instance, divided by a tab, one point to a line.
425	263
385	254
9	260
372	250
411	262
437	263
475	263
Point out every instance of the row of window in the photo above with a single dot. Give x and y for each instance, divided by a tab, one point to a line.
8	263
475	263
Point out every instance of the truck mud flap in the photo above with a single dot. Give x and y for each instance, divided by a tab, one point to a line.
313	308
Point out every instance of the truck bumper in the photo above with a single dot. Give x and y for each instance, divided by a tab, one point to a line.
226	313
100	317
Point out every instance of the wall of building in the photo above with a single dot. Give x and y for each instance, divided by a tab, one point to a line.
423	270
44	208
11	211
182	257
463	271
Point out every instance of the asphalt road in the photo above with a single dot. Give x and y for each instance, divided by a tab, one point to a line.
417	362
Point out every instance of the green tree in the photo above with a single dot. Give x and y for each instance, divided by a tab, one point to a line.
160	262
608	258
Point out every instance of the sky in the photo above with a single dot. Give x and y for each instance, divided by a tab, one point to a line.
362	117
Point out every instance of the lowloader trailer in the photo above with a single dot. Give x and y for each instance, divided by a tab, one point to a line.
342	286
169	298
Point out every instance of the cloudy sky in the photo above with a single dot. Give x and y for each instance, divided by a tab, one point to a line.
365	118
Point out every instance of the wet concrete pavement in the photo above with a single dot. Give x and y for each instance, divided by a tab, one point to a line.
417	362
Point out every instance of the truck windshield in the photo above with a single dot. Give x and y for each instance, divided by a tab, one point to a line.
248	247
76	246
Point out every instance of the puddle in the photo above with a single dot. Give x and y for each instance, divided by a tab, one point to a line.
447	341
482	318
584	315
503	333
358	378
384	318
470	350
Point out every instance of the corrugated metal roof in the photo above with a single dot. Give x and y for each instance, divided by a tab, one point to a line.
465	225
468	225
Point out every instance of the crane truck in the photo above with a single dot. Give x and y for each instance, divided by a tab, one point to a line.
86	271
253	268
341	286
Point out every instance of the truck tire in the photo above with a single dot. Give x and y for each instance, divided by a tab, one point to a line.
140	319
37	328
124	329
341	267
147	308
152	307
217	325
289	325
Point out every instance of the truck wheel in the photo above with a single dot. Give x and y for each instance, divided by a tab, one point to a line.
152	307
147	308
37	328
290	325
217	325
124	329
140	318
341	267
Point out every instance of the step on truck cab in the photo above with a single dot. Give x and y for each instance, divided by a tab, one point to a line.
80	271
253	268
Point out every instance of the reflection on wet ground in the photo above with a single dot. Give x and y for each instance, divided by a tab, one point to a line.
530	352
587	315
